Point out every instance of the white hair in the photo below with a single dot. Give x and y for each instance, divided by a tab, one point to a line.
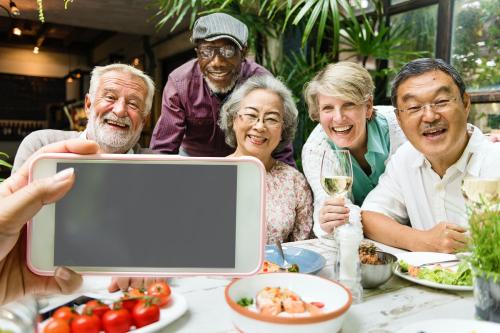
99	71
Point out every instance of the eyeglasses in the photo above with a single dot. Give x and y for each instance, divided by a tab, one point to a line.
438	106
226	51
251	119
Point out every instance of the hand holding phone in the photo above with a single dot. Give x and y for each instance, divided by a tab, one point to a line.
141	215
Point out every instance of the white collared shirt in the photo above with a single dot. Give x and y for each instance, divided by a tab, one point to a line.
83	135
413	194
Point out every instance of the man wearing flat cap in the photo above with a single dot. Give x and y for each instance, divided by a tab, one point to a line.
196	90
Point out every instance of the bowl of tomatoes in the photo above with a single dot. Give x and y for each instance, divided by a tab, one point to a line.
135	310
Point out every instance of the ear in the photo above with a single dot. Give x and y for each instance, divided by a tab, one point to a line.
145	119
87	105
398	117
466	99
369	108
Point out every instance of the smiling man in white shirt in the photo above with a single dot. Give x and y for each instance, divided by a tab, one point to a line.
418	203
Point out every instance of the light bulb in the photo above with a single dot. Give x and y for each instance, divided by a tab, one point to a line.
36	50
17	31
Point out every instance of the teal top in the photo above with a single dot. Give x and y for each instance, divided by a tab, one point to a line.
377	153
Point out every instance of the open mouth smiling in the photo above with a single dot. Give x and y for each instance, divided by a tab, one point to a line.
256	140
433	132
342	129
116	124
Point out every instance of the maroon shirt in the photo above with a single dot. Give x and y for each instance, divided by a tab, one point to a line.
190	111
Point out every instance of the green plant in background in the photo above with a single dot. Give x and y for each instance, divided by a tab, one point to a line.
484	222
4	163
476	43
343	29
295	70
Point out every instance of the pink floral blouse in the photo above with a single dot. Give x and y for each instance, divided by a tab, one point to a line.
288	204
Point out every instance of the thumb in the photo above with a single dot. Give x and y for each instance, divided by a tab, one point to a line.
16	209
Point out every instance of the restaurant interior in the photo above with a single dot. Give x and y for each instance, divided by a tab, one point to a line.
48	49
46	58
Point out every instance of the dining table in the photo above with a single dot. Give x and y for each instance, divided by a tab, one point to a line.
385	309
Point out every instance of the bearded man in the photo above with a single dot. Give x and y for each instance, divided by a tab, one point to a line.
117	105
195	91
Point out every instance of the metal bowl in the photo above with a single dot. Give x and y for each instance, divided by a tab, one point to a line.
373	276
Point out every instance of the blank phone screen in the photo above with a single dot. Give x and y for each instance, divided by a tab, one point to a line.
147	215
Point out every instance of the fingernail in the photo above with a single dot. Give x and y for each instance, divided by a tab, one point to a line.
63	175
63	273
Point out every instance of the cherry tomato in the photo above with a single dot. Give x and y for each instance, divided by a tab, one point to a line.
96	307
145	313
57	325
86	323
161	291
117	320
136	292
65	313
128	302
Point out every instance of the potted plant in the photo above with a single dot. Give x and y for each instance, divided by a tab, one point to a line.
484	220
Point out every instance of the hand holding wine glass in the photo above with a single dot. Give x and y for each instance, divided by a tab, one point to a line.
336	179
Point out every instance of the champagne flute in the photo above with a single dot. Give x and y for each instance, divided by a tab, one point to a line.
336	174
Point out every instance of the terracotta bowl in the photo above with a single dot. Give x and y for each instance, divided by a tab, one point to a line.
336	298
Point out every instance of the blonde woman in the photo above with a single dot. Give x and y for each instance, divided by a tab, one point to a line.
340	98
259	119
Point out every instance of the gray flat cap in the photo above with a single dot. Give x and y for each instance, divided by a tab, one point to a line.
219	25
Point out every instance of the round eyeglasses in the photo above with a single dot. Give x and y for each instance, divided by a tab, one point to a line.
251	119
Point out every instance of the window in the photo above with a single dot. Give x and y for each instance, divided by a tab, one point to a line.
475	44
418	29
485	116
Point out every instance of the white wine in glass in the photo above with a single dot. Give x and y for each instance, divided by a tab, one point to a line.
478	189
336	172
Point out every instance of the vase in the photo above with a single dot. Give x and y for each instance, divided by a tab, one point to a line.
487	296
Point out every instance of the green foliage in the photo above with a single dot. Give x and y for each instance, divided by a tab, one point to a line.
368	37
338	26
4	163
295	70
476	43
484	221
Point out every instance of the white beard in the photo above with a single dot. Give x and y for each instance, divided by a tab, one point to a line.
221	90
110	140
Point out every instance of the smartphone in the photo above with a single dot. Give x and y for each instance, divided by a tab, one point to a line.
151	215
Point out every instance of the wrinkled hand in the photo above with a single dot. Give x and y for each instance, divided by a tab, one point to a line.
333	214
123	283
19	202
445	237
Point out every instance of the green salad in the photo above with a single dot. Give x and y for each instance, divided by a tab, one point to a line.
461	277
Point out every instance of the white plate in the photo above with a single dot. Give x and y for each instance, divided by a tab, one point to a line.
451	325
419	258
176	307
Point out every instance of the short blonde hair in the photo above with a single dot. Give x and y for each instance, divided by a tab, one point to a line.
345	80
